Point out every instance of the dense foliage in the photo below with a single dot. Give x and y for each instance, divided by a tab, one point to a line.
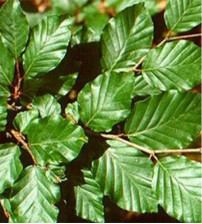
127	133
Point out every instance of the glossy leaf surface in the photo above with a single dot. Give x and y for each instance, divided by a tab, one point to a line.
183	15
125	174
54	140
105	101
3	113
6	71
14	27
167	121
46	105
142	88
177	183
127	37
47	45
175	65
33	198
89	199
10	165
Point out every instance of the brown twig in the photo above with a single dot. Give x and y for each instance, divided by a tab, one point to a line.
185	36
151	152
165	39
4	210
20	138
18	81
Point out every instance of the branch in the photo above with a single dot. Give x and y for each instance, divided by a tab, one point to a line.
4	210
151	152
20	138
185	36
197	150
165	39
117	138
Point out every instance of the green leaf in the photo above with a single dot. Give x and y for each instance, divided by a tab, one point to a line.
106	100
182	16
55	84
33	198
3	113
54	140
7	64
151	5
47	46
14	27
89	199
23	119
56	173
67	6
125	174
46	105
177	182
72	112
167	121
11	166
142	88
169	66
127	37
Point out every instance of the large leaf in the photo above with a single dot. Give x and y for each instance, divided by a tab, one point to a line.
33	198
142	88
127	37
125	174
167	121
3	113
7	64
46	105
175	65
10	165
106	100
177	183
54	139
14	27
47	46
183	15
89	199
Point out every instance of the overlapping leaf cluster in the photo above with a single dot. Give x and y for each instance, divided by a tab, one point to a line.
155	102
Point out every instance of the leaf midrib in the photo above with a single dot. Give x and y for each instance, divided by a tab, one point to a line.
41	48
163	124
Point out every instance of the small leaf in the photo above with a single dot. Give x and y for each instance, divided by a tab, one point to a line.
23	119
106	100
125	174
33	198
47	46
177	182
56	173
167	121
3	113
142	88
7	64
46	105
182	16
89	199
54	140
10	167
151	5
175	65
127	37
72	112
55	84
14	27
